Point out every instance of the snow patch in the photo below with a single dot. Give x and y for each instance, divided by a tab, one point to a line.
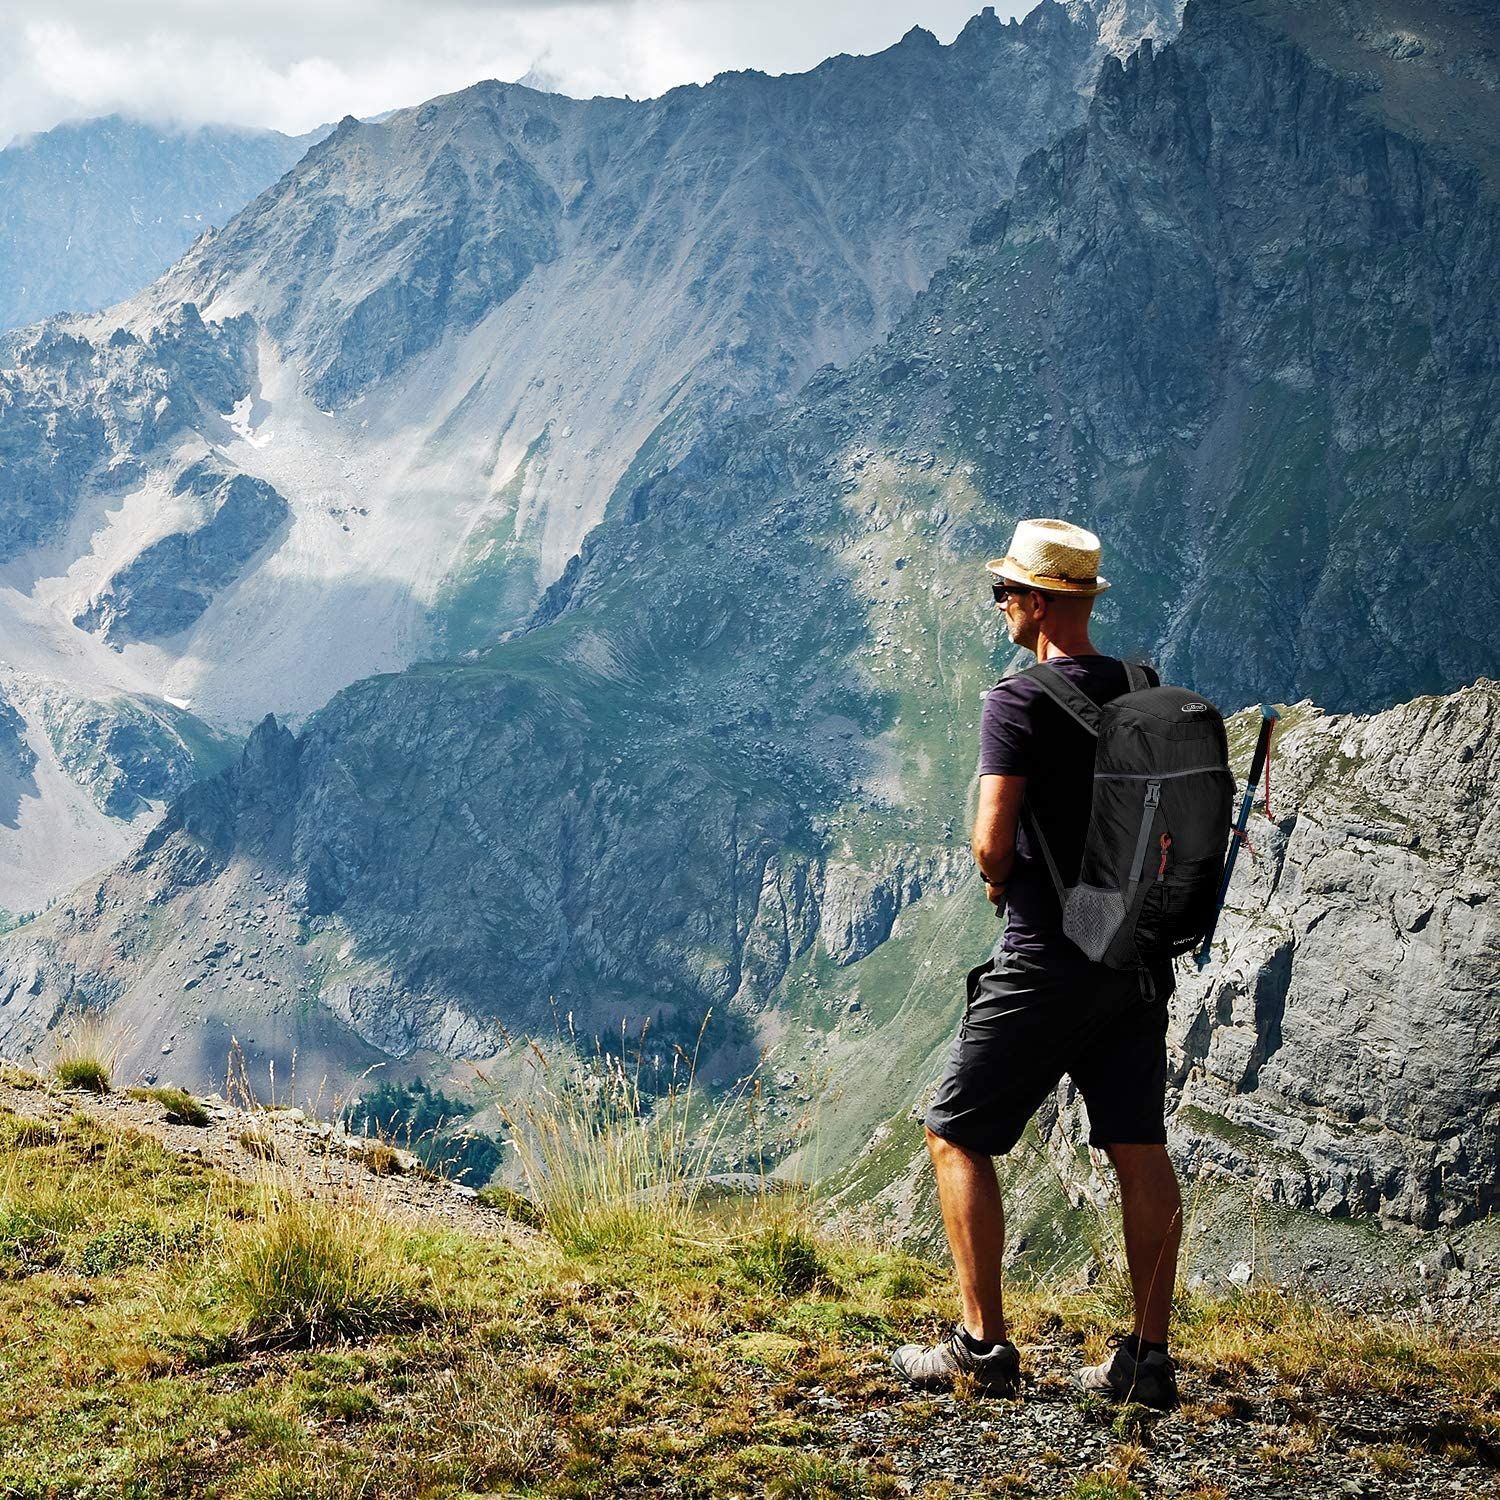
246	420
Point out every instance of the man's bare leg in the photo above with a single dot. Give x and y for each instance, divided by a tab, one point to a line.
969	1193
1151	1206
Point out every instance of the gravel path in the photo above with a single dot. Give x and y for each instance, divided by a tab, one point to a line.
1235	1435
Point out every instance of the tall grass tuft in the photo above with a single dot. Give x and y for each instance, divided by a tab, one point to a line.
88	1073
179	1106
306	1272
84	1054
610	1161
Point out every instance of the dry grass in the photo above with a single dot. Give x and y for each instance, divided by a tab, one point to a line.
1305	1342
1128	1459
260	1144
84	1053
307	1272
511	1417
403	1363
1388	1459
610	1156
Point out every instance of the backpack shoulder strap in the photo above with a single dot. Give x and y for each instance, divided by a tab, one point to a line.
1140	675
1073	701
1034	824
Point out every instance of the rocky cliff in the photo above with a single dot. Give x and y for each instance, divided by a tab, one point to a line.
726	764
166	587
84	771
1346	1044
79	409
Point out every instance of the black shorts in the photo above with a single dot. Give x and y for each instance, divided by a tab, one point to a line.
1031	1019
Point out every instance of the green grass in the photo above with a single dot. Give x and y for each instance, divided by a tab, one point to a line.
177	1333
90	1074
307	1272
784	1258
177	1104
83	1053
494	581
1103	1487
18	1132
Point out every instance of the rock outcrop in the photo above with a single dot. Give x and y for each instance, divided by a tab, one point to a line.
170	582
128	752
1345	1046
16	756
82	408
81	775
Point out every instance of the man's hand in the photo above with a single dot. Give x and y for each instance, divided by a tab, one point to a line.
995	891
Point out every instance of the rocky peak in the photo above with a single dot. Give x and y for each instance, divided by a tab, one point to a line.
919	36
984	26
1122	25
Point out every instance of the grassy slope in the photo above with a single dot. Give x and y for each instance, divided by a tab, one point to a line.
715	1361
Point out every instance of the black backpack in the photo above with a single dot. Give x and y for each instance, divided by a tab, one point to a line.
1149	883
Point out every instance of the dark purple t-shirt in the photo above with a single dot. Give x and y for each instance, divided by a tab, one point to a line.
1023	732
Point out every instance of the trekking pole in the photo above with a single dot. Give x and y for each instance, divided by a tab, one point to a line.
1268	718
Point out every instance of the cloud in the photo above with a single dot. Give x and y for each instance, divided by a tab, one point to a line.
294	64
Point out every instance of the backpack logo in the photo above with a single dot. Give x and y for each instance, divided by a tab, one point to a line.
1195	708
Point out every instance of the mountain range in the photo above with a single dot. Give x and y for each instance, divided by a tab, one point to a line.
92	210
372	417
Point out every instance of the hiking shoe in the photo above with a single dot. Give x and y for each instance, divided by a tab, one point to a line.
998	1373
1151	1380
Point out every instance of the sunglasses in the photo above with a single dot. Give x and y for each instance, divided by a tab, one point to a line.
1002	591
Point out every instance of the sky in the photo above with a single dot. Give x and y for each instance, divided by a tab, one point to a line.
295	64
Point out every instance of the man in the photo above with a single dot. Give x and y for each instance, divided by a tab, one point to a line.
1039	1008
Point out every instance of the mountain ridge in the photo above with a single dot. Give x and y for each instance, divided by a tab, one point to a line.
94	209
440	341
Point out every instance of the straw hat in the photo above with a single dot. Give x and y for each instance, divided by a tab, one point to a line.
1053	556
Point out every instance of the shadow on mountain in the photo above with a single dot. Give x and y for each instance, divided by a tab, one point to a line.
15	783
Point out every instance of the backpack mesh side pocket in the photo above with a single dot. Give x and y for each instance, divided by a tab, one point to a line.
1091	917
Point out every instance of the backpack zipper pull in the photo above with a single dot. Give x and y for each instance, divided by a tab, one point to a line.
1166	844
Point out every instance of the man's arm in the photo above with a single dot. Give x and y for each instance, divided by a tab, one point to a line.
994	839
